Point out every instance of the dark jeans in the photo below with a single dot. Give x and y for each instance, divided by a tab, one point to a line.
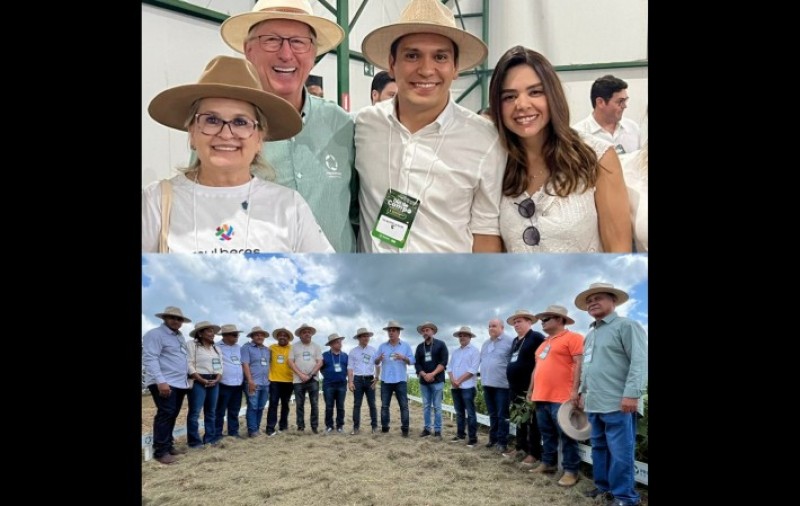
279	391
497	404
547	418
464	403
202	398
400	391
300	389
167	409
363	387
230	402
334	394
528	437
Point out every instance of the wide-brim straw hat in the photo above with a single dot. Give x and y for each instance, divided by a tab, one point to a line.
227	77
333	337
574	422
524	313
580	299
362	331
257	329
305	326
229	328
203	325
235	29
285	330
555	310
393	324
427	324
173	311
463	330
424	16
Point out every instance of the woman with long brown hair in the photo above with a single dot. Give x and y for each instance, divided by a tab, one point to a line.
562	191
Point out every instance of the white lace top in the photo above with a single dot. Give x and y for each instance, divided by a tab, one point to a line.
566	224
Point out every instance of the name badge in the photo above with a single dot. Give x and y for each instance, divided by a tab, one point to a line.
337	367
619	149
544	352
216	364
428	356
235	360
264	360
306	356
395	218
365	358
514	356
587	354
393	356
281	359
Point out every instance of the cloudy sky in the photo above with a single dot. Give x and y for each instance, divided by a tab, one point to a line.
340	293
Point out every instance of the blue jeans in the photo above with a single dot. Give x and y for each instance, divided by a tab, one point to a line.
361	387
230	402
400	390
255	407
334	394
205	399
547	418
167	409
279	391
497	404
464	401
432	394
300	389
613	452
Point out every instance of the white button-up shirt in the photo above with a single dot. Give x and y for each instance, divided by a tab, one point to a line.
626	134
465	359
454	166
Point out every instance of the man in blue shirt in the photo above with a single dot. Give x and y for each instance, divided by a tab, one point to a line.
230	388
395	355
430	361
334	382
166	367
613	381
495	353
255	365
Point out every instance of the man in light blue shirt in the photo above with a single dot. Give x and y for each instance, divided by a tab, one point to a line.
166	367
255	366
396	356
613	380
495	354
230	387
362	375
462	369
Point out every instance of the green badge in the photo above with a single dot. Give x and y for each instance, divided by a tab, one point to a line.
395	218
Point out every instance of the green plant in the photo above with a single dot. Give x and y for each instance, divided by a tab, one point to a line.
522	412
641	432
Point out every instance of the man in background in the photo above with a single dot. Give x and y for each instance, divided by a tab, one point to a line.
384	87
609	96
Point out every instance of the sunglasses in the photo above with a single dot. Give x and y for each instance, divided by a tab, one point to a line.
547	319
526	209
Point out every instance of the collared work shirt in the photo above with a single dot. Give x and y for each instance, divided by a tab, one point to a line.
361	360
625	138
466	359
494	361
164	356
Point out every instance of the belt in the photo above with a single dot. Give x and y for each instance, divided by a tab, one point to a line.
371	376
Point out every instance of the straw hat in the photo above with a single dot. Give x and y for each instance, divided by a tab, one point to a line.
556	310
203	325
393	324
463	330
173	311
284	331
524	313
361	332
427	324
229	328
424	16
227	77
574	422
333	337
305	326
257	329
594	288
235	29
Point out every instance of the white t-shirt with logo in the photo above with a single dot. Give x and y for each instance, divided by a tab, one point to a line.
256	217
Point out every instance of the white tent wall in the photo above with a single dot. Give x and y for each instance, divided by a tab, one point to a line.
176	48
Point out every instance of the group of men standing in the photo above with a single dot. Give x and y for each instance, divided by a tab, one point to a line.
604	374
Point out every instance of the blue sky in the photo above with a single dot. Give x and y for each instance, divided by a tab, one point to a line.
340	293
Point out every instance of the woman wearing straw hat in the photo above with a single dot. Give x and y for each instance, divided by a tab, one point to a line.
562	192
216	205
205	371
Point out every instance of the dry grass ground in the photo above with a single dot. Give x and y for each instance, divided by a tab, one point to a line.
297	468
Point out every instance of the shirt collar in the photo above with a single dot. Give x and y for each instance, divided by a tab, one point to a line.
445	117
170	331
610	317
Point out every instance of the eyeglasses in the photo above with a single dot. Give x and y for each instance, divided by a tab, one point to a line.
273	43
527	208
240	127
170	317
230	334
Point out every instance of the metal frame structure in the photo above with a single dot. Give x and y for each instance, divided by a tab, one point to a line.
344	54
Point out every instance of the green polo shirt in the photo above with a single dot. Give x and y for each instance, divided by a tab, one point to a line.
614	364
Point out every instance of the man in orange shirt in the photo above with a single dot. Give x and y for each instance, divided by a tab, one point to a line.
555	381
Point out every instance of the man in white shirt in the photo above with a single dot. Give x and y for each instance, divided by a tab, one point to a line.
462	369
430	170
362	375
609	96
305	360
